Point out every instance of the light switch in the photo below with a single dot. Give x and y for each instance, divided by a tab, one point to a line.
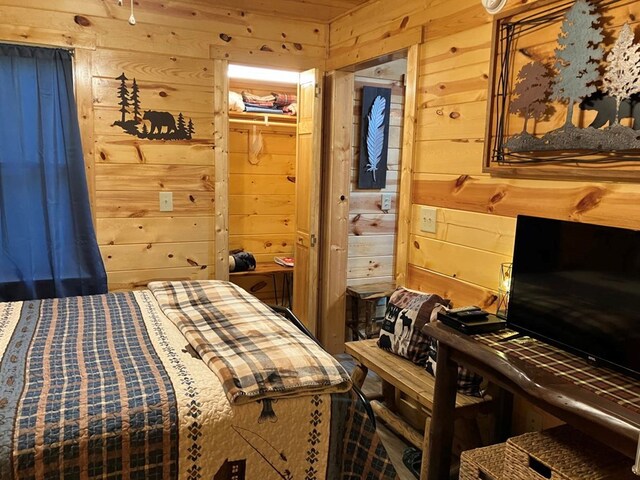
428	219
166	201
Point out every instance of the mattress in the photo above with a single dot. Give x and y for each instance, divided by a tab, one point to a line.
107	386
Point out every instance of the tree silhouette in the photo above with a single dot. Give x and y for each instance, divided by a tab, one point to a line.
181	126
123	94
145	131
621	78
578	55
135	100
190	130
531	92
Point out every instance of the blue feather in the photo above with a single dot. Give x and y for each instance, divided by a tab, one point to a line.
375	134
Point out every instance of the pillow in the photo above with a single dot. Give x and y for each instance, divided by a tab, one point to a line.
468	383
407	312
235	102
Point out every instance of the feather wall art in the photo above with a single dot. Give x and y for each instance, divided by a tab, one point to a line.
374	138
375	134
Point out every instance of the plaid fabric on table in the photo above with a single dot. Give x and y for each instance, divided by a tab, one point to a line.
606	383
254	352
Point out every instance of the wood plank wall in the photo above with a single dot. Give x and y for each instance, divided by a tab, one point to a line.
262	163
170	53
476	212
371	230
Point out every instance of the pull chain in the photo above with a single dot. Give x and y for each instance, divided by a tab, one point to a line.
132	19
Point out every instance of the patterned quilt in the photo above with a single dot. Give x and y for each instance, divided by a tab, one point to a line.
107	387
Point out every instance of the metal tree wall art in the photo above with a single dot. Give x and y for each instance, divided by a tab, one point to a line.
153	125
374	137
578	55
539	83
531	93
622	76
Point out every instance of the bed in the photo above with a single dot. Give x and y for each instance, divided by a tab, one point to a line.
185	380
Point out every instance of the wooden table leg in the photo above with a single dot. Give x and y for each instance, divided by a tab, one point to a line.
355	320
436	459
502	412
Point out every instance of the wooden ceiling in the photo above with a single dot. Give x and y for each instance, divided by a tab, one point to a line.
319	10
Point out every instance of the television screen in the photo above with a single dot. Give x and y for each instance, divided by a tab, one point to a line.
577	286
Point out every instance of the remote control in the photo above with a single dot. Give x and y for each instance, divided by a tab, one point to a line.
470	308
470	314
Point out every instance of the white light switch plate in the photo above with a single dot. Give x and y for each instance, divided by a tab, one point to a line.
166	201
428	219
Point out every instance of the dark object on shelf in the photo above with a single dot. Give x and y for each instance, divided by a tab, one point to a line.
473	325
242	262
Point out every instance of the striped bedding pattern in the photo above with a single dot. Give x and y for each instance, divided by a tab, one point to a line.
107	387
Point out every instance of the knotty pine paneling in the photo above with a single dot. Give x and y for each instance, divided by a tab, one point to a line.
169	53
262	193
476	212
371	248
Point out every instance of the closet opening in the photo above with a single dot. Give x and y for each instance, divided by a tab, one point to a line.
263	126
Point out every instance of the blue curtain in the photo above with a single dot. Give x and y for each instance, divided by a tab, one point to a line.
48	246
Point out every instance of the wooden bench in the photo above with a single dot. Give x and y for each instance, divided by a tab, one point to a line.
415	383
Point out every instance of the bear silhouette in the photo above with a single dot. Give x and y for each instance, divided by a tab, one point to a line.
605	105
384	342
159	120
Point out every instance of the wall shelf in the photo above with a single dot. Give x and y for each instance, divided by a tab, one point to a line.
264	119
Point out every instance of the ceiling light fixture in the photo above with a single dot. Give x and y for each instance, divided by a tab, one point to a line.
263	74
493	6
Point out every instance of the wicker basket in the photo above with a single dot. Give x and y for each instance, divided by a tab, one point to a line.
562	453
482	463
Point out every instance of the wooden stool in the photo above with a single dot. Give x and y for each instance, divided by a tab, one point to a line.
369	294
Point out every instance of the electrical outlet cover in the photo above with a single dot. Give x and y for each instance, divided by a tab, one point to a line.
385	201
166	201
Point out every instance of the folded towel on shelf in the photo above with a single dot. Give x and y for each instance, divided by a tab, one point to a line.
262	101
256	109
284	99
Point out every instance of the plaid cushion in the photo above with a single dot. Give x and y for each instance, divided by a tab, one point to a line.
407	312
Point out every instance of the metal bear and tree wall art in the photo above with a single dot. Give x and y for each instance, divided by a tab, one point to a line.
576	78
152	125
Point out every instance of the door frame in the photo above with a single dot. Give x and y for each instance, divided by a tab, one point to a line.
337	170
221	169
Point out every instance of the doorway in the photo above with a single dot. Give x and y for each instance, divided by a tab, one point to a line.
363	234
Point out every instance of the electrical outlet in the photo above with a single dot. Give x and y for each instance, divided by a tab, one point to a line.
166	201
428	219
385	201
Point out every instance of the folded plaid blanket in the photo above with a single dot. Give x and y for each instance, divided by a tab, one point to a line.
284	99
254	352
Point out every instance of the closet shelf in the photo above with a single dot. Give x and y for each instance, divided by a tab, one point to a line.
264	119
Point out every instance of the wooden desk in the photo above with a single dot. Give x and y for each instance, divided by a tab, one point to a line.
272	270
605	420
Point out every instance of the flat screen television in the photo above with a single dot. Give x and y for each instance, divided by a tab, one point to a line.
577	286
